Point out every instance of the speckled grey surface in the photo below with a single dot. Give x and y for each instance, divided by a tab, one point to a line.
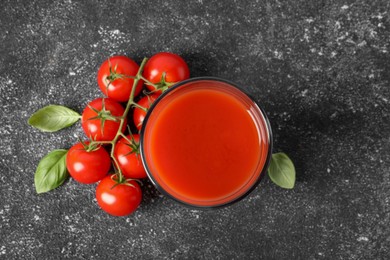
320	68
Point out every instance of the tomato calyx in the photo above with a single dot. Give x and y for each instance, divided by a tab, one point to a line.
114	74
89	146
148	96
118	181
103	115
134	145
163	85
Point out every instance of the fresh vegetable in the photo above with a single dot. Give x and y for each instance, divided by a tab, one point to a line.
116	77
88	163
101	119
163	70
118	198
139	114
128	156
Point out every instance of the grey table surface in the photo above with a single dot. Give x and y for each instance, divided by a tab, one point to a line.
319	68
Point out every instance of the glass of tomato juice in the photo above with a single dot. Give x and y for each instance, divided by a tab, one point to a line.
205	143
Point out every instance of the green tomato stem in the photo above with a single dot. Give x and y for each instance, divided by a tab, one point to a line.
140	107
122	119
149	83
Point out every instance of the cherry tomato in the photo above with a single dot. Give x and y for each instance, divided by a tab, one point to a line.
87	166
97	114
139	114
118	199
174	67
112	78
128	157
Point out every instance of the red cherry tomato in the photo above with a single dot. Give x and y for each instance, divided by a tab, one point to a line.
175	68
87	166
139	114
93	126
118	199
128	157
113	83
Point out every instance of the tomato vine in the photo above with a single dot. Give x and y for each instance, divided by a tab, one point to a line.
122	119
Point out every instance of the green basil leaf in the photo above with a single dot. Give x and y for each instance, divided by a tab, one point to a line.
51	171
53	118
282	171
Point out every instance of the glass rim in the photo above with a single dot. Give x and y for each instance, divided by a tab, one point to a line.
166	193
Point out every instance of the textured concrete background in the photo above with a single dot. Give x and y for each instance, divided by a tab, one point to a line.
320	68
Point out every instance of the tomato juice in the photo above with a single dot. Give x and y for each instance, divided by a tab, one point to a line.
205	143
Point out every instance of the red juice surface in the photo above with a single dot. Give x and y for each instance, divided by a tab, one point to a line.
204	146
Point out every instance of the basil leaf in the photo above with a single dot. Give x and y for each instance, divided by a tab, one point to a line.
53	118
282	171
51	171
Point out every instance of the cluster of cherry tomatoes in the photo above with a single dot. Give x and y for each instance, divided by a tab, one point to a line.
129	90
